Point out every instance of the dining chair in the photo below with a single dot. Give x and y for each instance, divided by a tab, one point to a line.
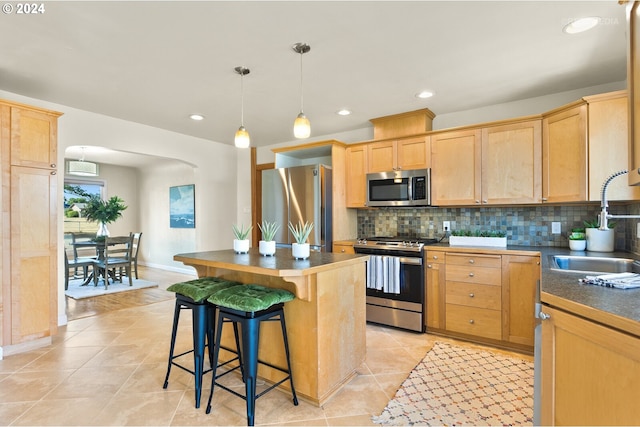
82	256
73	264
135	242
117	255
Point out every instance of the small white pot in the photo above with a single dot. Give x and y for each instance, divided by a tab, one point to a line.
300	250
267	248
241	246
577	245
600	240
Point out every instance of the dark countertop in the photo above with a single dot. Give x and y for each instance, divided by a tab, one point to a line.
621	303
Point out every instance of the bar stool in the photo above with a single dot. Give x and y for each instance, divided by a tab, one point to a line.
192	295
249	305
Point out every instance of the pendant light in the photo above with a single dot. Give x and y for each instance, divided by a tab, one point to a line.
242	139
301	126
82	167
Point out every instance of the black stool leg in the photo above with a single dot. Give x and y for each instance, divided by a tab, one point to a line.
286	350
216	352
250	342
211	330
176	318
199	315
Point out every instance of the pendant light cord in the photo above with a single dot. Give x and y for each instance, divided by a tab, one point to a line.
242	98
301	87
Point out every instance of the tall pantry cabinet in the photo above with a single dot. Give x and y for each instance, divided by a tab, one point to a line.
28	265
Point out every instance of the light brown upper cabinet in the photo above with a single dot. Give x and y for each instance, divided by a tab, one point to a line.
564	154
633	80
399	154
512	163
584	143
356	171
497	164
455	167
608	146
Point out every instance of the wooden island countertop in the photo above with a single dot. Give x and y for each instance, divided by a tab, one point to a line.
326	322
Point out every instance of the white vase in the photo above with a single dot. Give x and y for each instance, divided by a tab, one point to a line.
267	248
103	231
577	245
241	246
300	250
600	240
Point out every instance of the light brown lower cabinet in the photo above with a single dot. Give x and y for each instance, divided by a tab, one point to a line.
590	373
480	296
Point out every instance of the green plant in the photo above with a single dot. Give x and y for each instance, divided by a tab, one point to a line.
577	236
478	233
269	230
104	211
241	233
595	223
301	232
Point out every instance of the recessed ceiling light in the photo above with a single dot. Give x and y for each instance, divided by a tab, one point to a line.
343	112
424	94
580	25
196	117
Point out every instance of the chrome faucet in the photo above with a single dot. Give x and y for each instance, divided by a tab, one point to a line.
604	215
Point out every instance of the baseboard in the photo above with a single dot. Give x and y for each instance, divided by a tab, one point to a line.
185	270
9	350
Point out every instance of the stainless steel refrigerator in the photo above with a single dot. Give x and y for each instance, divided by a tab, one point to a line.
299	194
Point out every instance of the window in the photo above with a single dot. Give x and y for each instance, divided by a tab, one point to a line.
75	192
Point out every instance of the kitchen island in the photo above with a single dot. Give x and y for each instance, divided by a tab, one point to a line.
326	323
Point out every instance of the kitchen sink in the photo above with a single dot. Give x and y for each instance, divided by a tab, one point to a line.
590	264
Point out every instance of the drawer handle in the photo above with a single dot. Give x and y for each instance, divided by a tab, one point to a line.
342	251
471	274
435	257
471	322
428	265
471	261
471	295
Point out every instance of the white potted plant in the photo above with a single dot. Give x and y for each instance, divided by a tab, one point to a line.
241	241
478	238
300	249
600	240
267	246
577	240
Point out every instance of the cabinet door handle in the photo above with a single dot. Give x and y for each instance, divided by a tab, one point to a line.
53	165
471	295
435	257
544	199
471	261
477	202
544	316
53	172
471	274
471	321
342	251
485	201
428	265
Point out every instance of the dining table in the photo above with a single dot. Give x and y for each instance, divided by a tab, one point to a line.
100	247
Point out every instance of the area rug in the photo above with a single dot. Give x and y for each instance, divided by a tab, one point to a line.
455	386
76	291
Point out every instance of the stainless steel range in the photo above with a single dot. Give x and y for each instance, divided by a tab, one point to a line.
395	280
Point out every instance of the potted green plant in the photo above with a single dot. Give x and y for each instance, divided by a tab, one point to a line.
599	240
478	238
241	241
300	232
103	212
267	246
577	239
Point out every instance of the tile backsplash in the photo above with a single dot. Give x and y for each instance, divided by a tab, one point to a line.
523	225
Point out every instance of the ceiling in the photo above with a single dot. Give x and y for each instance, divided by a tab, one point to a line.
157	62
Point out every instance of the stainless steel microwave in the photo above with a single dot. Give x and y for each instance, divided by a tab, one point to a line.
399	188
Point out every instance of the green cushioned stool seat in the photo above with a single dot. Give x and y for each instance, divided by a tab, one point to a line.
202	288
250	298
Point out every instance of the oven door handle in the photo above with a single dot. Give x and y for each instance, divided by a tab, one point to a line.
409	260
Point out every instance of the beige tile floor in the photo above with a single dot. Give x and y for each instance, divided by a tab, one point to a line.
108	369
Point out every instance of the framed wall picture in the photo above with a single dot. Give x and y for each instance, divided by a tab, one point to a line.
182	208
